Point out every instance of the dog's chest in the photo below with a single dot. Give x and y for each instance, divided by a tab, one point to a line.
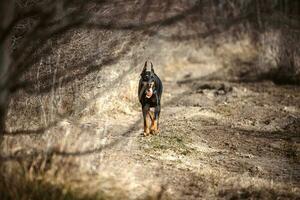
152	109
152	101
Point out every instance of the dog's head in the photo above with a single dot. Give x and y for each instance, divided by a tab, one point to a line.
148	80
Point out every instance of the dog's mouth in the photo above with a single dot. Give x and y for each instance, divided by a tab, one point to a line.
149	93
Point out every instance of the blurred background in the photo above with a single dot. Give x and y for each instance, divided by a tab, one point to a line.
70	119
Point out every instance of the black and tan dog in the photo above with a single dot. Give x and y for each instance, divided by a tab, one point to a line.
150	91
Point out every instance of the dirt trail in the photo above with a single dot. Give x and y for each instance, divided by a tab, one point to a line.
218	140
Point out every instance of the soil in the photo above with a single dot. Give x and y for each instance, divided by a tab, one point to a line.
219	139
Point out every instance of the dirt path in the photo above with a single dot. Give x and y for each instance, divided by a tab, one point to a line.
218	140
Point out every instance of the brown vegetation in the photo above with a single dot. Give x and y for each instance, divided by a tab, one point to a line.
230	116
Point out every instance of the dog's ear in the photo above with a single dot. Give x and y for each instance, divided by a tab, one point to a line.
152	69
145	68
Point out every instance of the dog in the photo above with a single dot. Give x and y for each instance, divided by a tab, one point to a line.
150	90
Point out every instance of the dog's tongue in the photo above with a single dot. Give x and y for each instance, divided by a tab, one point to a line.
148	94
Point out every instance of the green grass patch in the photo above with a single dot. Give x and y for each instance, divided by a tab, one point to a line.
175	143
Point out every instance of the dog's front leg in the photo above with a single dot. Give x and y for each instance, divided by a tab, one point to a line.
146	117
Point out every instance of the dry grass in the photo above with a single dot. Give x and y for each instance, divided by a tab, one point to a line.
84	97
102	112
26	184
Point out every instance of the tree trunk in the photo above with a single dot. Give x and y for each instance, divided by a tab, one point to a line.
6	16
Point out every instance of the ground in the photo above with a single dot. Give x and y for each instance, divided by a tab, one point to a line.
219	139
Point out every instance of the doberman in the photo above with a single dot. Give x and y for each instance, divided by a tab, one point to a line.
150	91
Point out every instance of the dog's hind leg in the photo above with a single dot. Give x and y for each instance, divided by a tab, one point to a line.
157	115
153	123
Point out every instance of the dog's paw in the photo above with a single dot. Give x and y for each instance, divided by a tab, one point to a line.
146	134
155	131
